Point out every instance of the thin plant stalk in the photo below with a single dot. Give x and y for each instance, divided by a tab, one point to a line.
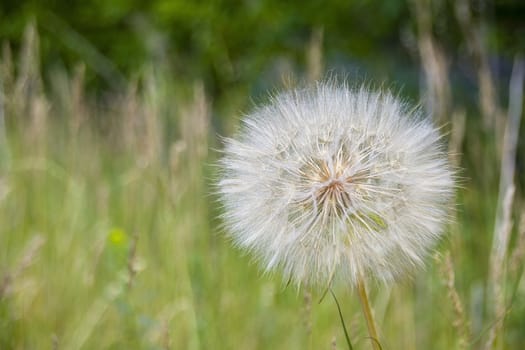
368	314
347	337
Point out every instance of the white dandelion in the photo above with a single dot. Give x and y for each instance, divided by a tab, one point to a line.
331	183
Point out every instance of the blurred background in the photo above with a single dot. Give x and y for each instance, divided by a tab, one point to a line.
111	114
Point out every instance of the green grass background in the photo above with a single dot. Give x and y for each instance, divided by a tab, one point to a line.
109	236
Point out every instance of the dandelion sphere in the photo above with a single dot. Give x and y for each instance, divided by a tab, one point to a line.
332	183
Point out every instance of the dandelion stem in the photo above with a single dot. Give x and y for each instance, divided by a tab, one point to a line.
361	288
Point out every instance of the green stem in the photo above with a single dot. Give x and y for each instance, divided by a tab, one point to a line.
368	314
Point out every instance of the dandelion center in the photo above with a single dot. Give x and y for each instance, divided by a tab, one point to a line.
330	187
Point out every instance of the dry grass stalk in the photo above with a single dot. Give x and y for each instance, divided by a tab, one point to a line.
434	64
136	125
132	260
475	40
152	111
457	135
29	82
497	272
510	141
503	225
98	249
79	112
28	258
5	85
460	322
176	154
516	259
314	55
26	97
37	133
195	122
68	101
3	133
84	328
6	67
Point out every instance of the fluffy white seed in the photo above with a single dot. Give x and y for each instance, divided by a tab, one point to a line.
332	183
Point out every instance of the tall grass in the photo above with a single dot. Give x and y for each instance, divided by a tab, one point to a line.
109	236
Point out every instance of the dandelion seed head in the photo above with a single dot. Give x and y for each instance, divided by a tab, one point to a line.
332	183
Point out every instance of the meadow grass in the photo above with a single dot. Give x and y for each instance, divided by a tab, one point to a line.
109	237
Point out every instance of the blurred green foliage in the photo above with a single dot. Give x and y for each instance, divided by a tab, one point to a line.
96	178
226	42
237	46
